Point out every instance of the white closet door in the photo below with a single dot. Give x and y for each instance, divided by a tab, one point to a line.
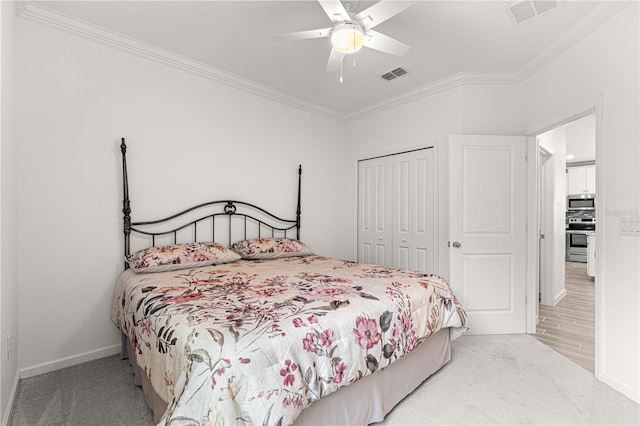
399	191
402	210
414	211
424	218
374	211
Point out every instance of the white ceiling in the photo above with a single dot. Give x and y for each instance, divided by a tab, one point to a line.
235	38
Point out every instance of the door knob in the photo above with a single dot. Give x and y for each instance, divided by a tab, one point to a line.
457	244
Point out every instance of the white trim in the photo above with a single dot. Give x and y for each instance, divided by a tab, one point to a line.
600	337
12	396
593	106
549	195
456	80
69	361
571	114
623	388
42	14
436	202
577	33
559	296
532	234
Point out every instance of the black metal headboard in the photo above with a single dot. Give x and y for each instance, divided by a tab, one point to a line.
207	218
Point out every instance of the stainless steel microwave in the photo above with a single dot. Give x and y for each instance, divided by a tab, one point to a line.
581	202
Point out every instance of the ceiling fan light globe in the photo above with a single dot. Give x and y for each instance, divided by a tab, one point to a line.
347	38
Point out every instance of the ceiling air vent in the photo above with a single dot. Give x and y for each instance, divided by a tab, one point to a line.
393	74
526	10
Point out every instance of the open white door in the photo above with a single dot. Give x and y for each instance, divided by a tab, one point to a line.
487	230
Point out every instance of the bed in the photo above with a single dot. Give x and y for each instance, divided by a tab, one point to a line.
227	317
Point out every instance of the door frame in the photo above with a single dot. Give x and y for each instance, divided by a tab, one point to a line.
545	199
596	107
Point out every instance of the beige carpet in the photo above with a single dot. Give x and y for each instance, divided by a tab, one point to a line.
490	380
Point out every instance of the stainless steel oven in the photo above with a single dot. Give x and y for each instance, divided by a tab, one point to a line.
577	246
579	227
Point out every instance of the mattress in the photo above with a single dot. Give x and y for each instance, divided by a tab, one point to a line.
267	341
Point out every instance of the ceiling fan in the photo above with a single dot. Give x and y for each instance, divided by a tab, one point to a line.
350	32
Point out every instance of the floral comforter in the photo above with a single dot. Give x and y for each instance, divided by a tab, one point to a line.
255	342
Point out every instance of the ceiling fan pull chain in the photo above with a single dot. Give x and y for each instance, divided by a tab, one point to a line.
341	60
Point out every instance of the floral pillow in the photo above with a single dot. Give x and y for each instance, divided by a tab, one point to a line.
270	248
180	256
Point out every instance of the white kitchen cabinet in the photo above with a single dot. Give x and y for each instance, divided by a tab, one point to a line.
581	179
396	211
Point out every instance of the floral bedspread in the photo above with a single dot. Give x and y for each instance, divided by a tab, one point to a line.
255	342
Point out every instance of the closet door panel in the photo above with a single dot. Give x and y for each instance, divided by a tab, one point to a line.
423	243
402	211
374	212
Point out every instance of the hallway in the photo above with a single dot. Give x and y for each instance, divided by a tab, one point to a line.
569	327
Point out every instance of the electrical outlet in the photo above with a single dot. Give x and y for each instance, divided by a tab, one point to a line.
9	347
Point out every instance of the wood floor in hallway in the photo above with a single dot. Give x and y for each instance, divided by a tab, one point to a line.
569	327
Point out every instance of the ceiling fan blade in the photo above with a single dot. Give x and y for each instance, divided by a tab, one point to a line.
335	11
335	58
302	35
380	12
378	41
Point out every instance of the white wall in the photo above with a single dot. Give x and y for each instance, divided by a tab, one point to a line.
190	140
556	141
8	213
605	63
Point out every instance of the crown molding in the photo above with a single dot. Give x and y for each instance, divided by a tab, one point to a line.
577	33
456	80
42	14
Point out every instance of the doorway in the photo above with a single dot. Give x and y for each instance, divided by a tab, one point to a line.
566	299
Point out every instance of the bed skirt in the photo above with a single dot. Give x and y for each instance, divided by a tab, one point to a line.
366	401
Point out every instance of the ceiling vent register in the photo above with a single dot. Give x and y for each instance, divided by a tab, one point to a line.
393	74
523	11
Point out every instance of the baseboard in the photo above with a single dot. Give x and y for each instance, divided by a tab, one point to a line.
58	364
620	387
559	296
12	396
